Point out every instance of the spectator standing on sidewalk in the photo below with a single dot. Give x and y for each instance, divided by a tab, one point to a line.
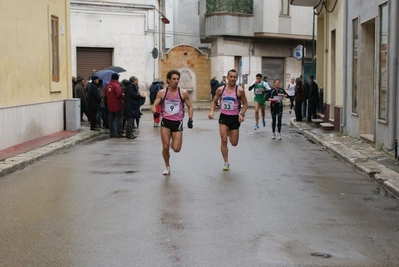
154	89
142	99
131	107
299	97
313	98
223	81
94	102
74	83
214	86
114	96
80	92
291	93
266	83
305	99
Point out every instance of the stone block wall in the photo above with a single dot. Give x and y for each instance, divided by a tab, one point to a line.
195	69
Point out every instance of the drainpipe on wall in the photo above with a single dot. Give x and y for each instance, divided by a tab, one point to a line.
394	71
249	59
346	86
313	44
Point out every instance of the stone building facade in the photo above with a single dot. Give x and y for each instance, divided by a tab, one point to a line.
194	67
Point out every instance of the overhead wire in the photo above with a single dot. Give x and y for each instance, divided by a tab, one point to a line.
323	4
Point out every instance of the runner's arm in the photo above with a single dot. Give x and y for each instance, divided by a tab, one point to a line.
186	97
157	100
214	102
251	87
244	102
285	94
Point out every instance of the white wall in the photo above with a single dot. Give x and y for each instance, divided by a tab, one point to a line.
24	123
293	69
267	14
130	30
184	23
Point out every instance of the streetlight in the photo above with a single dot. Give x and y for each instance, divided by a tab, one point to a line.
164	20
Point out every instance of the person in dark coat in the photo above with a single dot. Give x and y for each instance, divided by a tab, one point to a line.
74	83
132	102
275	96
214	86
313	98
306	95
81	93
299	98
154	89
93	102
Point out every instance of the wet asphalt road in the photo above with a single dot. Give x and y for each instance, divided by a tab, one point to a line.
106	203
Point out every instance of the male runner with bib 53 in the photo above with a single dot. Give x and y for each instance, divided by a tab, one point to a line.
172	100
232	114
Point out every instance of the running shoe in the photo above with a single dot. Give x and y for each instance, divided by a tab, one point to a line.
274	136
264	123
279	136
256	127
226	166
166	171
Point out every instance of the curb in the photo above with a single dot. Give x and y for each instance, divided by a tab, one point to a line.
22	160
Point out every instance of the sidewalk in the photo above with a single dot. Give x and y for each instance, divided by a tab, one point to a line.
378	165
19	156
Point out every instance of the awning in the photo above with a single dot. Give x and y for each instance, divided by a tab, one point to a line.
311	3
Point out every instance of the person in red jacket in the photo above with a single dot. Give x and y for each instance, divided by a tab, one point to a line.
114	95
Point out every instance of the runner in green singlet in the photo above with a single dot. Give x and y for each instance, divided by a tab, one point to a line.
259	99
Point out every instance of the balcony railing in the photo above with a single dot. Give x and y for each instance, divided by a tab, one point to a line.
234	6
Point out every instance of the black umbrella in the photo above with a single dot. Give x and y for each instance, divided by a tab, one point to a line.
116	69
104	74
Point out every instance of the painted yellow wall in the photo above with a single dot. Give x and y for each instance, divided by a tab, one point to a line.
25	62
336	22
327	22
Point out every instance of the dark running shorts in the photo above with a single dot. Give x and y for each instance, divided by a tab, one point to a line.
229	120
174	126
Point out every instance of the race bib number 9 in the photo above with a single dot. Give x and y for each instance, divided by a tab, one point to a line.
172	106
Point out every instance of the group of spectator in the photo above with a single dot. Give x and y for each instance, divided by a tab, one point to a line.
118	104
306	98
